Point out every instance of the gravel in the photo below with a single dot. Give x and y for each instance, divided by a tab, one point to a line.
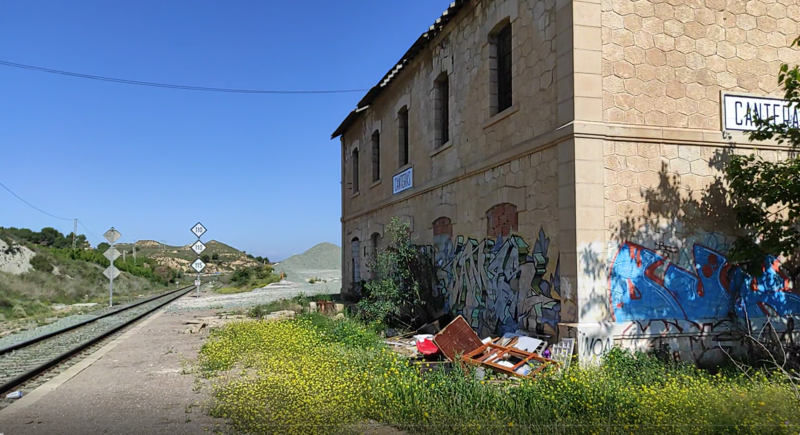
19	361
271	293
323	261
19	337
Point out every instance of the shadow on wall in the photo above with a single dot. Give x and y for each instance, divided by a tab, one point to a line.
667	261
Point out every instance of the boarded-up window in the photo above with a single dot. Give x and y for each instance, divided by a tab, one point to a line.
442	226
501	220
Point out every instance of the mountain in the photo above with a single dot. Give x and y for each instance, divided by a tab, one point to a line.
321	261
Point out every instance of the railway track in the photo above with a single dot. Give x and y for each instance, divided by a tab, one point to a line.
25	362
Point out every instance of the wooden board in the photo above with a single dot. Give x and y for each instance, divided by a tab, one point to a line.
457	338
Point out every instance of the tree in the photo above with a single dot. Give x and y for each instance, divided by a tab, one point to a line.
103	247
205	258
215	256
766	195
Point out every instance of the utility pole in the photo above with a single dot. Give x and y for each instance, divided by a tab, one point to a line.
123	255
134	252
74	232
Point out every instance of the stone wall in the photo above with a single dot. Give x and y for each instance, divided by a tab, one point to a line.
665	62
515	280
462	51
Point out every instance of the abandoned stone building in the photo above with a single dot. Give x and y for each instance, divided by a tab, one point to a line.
563	158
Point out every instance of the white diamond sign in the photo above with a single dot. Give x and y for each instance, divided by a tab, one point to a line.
112	254
199	230
112	235
198	247
198	265
197	283
111	272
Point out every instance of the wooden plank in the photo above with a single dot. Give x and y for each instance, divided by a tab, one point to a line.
457	338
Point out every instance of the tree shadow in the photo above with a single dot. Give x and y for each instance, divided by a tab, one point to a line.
668	215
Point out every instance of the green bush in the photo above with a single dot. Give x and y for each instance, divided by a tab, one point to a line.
41	263
19	312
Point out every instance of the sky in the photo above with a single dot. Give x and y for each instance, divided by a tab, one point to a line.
260	171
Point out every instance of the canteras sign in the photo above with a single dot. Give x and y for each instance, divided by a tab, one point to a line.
403	181
739	112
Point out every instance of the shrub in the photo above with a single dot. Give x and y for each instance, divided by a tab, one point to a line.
19	312
41	263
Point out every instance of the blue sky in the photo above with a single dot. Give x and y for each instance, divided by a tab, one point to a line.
259	171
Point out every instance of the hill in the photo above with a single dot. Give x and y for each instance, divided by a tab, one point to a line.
220	257
321	261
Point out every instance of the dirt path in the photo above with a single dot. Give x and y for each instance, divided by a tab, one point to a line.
137	387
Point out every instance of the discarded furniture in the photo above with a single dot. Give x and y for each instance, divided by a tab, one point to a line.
562	352
457	338
508	360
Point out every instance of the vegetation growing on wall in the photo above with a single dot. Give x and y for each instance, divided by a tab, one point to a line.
401	292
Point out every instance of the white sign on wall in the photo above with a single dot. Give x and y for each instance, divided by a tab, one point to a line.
740	112
403	181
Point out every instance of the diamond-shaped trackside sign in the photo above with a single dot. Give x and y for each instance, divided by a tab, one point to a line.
198	230
198	265
198	247
111	272
112	235
112	254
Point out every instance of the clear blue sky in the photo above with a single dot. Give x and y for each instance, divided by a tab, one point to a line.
260	171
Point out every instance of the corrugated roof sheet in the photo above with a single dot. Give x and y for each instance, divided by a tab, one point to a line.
418	46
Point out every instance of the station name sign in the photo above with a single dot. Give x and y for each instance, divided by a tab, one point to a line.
403	181
740	112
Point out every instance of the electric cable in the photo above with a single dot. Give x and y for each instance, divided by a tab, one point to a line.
173	86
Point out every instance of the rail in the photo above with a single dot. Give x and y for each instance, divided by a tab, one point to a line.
9	385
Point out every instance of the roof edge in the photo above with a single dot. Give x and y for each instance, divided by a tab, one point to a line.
416	47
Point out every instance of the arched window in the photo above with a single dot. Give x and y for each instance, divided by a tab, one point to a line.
442	226
501	220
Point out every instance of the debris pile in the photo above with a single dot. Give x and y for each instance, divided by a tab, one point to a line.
518	355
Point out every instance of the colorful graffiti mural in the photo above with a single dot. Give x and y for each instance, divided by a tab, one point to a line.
644	285
499	286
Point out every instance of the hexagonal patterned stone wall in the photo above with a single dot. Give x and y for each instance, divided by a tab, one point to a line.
666	61
636	172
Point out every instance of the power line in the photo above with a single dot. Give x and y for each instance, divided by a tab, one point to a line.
49	214
33	206
87	230
171	86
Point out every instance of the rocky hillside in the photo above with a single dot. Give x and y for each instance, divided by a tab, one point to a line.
219	257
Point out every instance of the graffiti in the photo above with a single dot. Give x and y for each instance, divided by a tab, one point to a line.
644	285
499	286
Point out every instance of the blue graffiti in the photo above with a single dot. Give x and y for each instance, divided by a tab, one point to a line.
644	286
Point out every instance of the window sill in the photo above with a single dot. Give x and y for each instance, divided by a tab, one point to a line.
375	183
445	146
403	168
355	195
500	116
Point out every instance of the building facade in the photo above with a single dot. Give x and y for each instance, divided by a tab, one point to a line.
563	158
